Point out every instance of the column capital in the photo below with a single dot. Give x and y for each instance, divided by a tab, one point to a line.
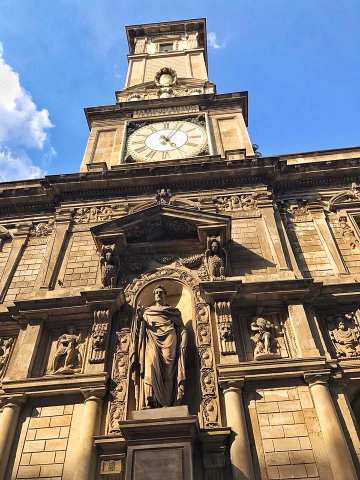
318	377
232	385
12	401
96	394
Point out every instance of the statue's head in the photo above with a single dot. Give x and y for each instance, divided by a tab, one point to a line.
160	294
342	325
261	322
214	245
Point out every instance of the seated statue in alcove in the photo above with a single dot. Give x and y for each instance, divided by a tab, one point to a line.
67	358
159	341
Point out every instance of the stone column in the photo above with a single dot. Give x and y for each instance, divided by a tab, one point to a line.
240	453
8	424
86	460
335	443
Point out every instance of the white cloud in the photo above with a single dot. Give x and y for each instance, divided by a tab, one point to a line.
213	42
22	126
17	166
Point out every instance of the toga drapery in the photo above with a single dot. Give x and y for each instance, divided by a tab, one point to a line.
159	342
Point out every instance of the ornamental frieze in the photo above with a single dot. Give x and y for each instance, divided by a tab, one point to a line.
95	214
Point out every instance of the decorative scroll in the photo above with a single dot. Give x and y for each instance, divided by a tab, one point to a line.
225	329
119	389
99	336
6	345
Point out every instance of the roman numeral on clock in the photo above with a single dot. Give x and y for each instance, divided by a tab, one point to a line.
189	144
165	155
150	155
152	128
141	149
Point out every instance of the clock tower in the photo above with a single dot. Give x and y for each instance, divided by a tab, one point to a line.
168	109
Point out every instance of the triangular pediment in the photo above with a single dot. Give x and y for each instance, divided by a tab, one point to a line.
163	223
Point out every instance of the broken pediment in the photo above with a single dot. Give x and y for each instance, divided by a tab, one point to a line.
163	223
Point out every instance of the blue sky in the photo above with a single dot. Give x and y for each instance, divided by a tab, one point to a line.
298	59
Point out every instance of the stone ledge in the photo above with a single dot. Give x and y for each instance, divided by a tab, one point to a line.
55	385
270	369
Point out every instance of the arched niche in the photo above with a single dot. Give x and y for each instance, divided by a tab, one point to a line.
179	295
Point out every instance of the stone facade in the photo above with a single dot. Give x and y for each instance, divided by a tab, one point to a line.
259	255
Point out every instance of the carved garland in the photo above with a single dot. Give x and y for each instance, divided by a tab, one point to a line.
120	380
210	417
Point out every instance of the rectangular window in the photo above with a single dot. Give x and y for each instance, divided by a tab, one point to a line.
166	47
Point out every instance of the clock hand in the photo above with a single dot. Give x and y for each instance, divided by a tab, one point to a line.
174	131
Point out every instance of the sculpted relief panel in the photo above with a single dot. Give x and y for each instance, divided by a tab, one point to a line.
344	334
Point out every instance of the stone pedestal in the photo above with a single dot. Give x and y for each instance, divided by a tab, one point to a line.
160	443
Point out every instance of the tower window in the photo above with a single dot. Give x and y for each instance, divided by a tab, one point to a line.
166	47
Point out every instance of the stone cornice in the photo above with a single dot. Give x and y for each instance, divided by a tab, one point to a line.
31	197
124	110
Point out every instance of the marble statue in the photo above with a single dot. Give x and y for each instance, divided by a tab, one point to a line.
159	342
67	358
215	260
346	340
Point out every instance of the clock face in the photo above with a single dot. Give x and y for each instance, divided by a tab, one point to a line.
166	141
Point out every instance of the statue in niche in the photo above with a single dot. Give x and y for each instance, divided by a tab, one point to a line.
159	342
216	260
346	340
67	358
5	348
109	262
264	339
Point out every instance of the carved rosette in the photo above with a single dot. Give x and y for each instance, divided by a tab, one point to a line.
225	328
210	417
120	380
99	336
